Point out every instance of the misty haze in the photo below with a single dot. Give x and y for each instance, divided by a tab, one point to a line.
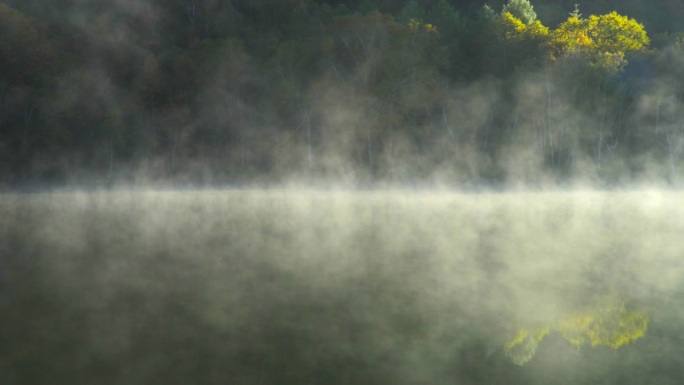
341	192
296	286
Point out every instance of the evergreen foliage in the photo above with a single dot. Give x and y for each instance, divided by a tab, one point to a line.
521	9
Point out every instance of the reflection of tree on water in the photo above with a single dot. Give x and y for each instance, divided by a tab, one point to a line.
607	322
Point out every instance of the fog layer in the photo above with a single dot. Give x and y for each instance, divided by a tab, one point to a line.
297	286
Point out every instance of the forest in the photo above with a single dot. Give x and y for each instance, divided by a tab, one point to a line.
449	92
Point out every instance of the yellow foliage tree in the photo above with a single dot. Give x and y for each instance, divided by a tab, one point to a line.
603	40
524	43
417	26
516	30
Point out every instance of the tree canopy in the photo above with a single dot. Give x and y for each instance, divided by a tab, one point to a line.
520	9
604	40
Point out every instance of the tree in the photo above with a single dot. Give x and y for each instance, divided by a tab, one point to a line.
517	30
26	56
521	9
412	11
604	41
445	17
523	43
366	7
225	79
295	64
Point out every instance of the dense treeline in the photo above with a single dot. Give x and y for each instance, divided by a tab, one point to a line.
450	91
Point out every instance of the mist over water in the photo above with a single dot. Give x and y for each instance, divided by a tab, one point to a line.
508	283
305	286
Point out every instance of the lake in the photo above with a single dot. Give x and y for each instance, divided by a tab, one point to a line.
299	286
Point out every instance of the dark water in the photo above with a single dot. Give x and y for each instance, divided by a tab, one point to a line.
301	287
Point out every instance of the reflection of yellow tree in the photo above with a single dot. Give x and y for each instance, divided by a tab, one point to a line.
522	347
608	324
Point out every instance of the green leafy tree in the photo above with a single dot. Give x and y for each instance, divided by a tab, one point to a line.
522	43
367	6
26	55
521	9
412	11
445	17
515	29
